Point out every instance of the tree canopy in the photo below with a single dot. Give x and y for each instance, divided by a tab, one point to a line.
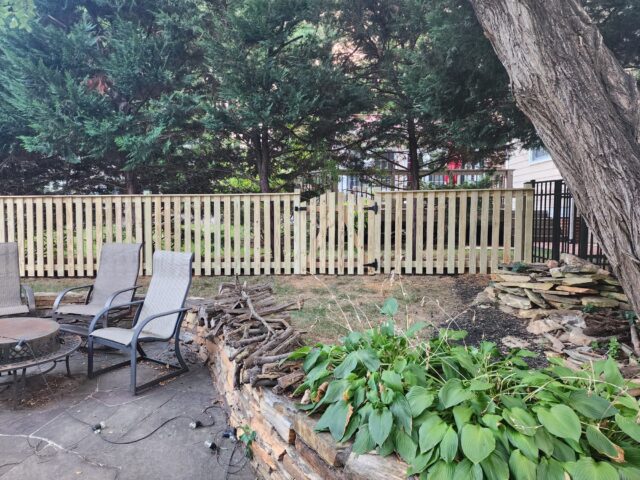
212	95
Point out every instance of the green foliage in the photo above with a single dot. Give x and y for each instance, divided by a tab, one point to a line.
16	14
589	308
455	411
247	438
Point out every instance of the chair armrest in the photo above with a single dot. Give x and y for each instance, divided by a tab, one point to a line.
105	311
109	303
141	324
61	295
29	296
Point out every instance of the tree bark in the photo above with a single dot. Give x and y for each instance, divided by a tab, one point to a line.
262	155
413	165
586	110
131	182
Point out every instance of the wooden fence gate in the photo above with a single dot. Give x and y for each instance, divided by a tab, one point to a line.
411	232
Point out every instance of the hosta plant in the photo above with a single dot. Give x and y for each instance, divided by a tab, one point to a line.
453	411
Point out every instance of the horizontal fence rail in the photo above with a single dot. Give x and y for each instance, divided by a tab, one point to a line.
414	232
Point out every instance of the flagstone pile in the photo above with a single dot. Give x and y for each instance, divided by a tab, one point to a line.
573	304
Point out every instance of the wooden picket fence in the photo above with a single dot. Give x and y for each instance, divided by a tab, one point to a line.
421	232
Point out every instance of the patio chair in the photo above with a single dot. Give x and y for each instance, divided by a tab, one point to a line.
113	289
158	319
15	299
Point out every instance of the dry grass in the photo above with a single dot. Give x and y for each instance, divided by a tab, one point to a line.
333	305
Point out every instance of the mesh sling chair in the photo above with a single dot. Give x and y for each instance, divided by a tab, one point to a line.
158	319
113	288
13	295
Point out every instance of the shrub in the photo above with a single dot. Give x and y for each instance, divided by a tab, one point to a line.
456	411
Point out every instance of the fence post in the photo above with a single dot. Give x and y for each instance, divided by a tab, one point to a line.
557	219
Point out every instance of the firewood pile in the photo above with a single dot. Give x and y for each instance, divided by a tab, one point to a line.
573	304
258	330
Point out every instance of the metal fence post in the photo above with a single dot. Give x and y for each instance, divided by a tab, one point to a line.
557	219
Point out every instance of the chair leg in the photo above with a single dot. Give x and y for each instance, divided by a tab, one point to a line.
179	355
90	356
134	364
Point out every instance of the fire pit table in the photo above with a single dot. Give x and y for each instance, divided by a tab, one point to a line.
27	342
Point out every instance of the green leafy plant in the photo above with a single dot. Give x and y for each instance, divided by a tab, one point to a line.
589	308
247	436
456	411
614	348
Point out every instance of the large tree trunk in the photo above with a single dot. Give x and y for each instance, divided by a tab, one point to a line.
413	165
585	108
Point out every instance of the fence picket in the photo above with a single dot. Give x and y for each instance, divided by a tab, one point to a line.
267	234
462	232
226	217
495	230
237	246
451	232
360	238
40	260
484	231
257	254
197	234
508	214
388	208
217	241
519	222
442	200
286	224
88	211
277	235
419	232
50	253
431	205
29	238
409	247
207	235
313	235
322	234
473	232
246	225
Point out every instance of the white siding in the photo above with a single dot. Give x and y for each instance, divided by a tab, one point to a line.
523	171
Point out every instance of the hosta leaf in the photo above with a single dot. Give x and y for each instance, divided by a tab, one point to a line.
550	469
452	393
544	441
612	373
335	419
476	384
449	445
387	395
521	420
402	413
629	473
392	380
592	406
588	469
419	400
467	470
629	426
405	446
441	471
603	445
389	307
387	448
524	443
380	423
492	421
461	415
477	442
318	372
363	442
521	467
495	467
419	463
352	426
561	421
347	366
431	432
311	359
369	359
562	451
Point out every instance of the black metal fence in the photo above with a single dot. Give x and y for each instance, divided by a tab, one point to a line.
558	226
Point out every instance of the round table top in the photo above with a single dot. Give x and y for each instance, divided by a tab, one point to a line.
25	328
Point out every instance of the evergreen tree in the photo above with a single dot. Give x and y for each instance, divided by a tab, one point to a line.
279	92
105	85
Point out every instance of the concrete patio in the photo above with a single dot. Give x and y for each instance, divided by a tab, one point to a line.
50	435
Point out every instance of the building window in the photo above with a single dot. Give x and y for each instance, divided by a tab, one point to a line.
538	155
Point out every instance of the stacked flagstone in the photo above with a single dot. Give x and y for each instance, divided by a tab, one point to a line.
571	284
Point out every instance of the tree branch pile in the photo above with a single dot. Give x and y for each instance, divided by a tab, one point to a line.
259	332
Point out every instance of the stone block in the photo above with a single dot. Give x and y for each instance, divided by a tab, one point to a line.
375	467
322	442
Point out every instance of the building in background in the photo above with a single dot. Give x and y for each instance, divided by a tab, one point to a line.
531	164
